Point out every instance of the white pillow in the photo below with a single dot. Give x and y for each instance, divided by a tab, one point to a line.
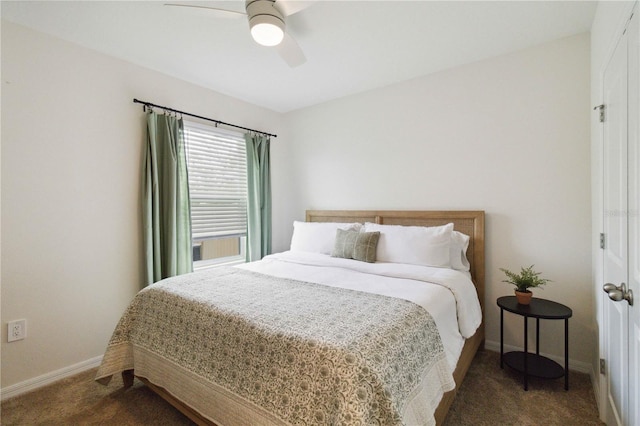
459	245
318	237
417	245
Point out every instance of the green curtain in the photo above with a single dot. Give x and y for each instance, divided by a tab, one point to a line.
166	204
259	197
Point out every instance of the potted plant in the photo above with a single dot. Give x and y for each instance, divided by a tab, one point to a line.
526	279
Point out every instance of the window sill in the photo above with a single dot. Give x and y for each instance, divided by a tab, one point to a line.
218	263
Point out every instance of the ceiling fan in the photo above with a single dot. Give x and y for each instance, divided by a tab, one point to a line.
267	24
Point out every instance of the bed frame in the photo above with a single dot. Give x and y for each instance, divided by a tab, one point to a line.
467	222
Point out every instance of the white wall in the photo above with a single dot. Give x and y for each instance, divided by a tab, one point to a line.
71	170
606	29
508	135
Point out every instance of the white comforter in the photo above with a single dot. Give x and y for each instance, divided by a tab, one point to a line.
448	295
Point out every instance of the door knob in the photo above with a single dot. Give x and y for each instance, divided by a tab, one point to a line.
618	293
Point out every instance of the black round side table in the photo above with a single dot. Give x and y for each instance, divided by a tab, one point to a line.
529	363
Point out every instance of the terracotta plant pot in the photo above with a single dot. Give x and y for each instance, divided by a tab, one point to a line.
524	297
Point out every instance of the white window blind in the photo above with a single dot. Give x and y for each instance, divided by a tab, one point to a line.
217	166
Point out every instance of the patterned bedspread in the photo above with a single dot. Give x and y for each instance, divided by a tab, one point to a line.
307	353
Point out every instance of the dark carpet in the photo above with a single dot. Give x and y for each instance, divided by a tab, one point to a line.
488	396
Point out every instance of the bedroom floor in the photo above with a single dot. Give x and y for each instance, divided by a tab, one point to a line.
489	396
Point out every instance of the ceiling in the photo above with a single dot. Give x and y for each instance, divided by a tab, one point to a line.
351	46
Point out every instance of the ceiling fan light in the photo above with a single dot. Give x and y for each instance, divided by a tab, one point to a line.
267	30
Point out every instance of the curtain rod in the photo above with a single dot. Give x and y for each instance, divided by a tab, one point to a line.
136	101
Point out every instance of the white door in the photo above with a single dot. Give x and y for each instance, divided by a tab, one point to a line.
633	33
615	229
621	326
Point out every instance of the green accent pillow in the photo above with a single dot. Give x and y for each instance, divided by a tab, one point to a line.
356	245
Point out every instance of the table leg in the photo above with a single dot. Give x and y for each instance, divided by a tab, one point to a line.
537	336
566	354
526	352
501	337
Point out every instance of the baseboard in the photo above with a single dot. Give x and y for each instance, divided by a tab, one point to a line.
595	381
579	366
48	378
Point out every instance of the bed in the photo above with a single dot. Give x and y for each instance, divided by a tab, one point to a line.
310	338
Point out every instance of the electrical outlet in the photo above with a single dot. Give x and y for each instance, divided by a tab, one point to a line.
16	330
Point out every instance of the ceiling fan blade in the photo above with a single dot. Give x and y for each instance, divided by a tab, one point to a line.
290	51
289	7
220	13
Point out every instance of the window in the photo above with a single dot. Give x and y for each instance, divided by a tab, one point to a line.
217	165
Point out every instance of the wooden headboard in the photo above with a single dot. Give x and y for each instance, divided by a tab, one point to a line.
467	222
